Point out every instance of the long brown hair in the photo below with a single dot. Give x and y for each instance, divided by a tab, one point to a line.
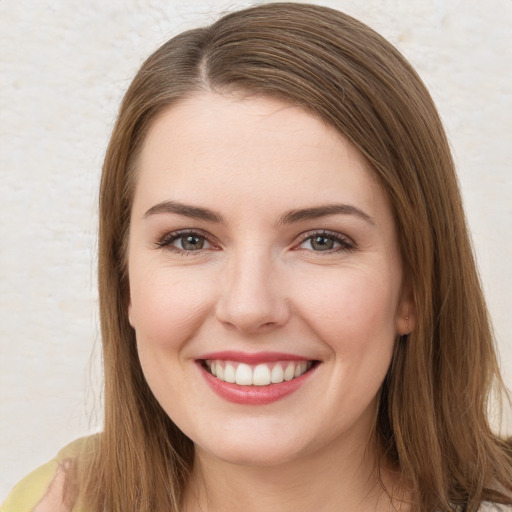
432	419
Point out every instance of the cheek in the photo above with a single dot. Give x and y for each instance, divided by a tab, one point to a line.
166	305
351	305
168	308
354	316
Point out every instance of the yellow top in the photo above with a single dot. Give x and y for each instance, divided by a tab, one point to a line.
29	493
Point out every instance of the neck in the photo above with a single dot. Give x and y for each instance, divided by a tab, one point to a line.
323	481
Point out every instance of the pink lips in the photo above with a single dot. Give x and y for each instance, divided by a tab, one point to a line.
253	395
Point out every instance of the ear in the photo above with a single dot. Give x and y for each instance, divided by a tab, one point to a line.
406	312
130	313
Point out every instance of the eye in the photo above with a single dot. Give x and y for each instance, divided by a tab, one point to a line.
185	242
325	242
190	242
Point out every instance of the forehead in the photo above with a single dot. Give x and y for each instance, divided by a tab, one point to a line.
211	147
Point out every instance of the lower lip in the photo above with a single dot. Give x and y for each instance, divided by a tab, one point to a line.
254	395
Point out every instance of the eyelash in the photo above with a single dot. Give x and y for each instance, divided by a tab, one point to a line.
167	240
345	243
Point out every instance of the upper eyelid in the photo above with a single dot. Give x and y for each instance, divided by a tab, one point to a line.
170	236
318	232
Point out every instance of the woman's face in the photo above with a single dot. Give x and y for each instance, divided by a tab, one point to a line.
261	250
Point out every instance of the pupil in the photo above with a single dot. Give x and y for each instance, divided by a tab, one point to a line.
322	243
191	243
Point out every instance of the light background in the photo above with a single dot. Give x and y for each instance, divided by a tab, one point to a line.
64	67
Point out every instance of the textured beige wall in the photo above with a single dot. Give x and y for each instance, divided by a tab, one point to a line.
64	66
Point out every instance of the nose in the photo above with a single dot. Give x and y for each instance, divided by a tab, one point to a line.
252	298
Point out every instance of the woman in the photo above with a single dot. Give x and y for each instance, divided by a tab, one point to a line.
291	314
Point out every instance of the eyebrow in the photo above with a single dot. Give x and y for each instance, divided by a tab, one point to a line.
323	211
186	210
289	217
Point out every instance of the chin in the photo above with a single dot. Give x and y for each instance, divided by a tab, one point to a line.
262	443
254	454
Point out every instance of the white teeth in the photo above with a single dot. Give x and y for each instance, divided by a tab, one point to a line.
301	368
277	374
229	373
289	373
243	375
261	375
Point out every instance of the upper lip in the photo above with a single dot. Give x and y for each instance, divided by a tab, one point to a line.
253	357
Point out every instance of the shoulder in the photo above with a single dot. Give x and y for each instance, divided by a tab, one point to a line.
494	507
43	489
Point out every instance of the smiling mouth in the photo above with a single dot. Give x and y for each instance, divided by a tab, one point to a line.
262	374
